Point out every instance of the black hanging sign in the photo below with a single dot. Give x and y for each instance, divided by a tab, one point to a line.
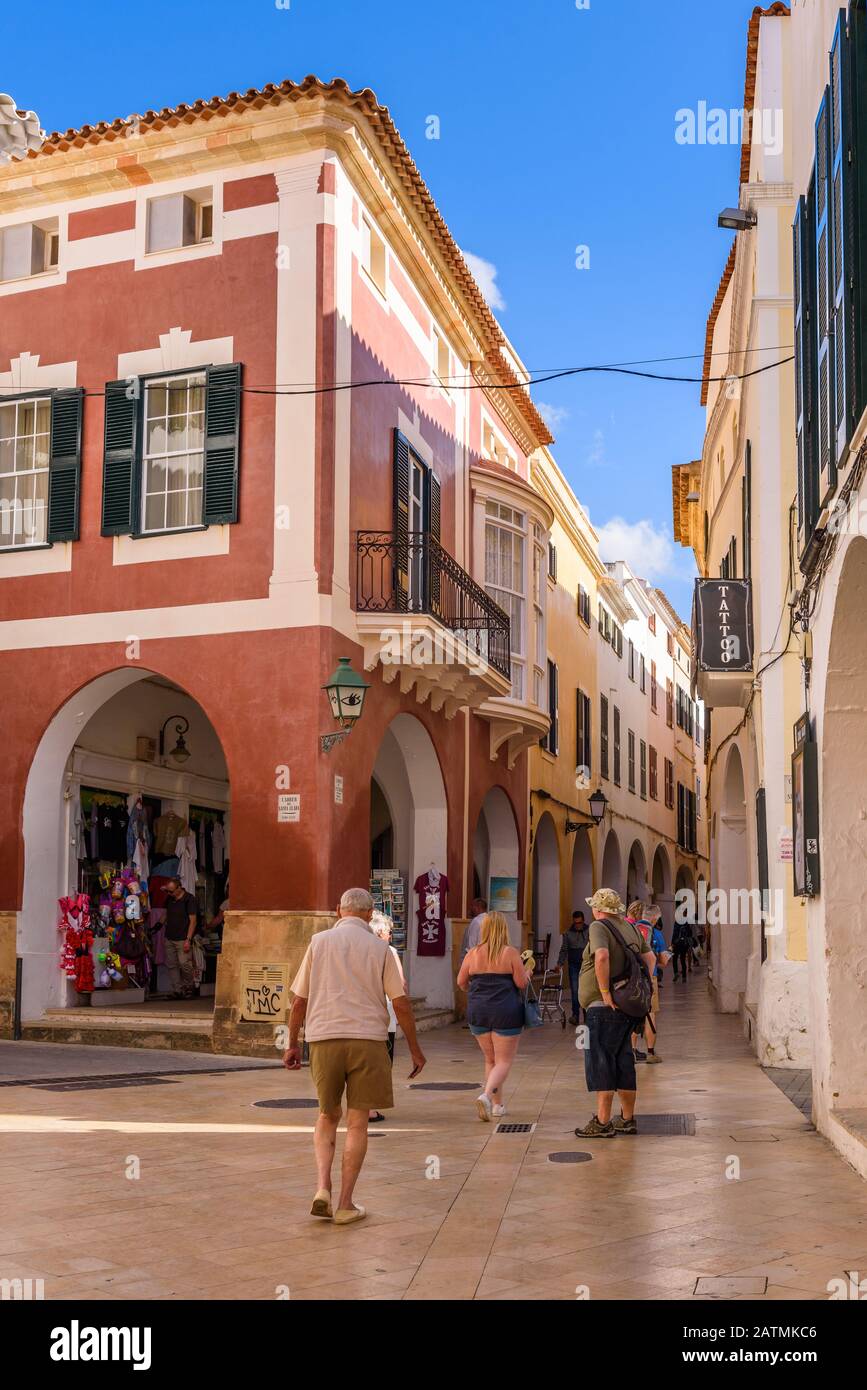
723	619
805	812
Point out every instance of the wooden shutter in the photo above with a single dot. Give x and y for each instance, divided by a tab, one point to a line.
616	746
121	458
747	510
222	433
433	526
824	325
400	521
603	735
762	854
841	213
64	468
642	769
806	381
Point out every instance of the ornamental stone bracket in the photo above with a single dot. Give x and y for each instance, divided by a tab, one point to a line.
515	726
428	659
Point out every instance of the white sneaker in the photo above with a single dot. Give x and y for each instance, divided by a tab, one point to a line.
498	1110
484	1107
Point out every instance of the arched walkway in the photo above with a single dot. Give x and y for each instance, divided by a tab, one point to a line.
636	874
410	783
730	940
612	865
546	885
842	1047
582	873
91	743
496	858
662	892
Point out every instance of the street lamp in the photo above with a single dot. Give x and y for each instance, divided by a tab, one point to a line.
346	690
738	219
20	131
598	804
180	752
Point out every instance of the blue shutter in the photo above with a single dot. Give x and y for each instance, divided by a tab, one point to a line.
64	469
121	458
222	438
825	360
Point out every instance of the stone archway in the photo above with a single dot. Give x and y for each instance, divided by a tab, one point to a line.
496	858
546	885
582	873
612	865
409	780
662	891
731	938
637	885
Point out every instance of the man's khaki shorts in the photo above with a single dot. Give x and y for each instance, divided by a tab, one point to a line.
358	1066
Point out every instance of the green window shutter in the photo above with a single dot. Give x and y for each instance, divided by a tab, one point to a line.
433	526
824	326
64	468
400	521
222	435
806	373
121	455
842	212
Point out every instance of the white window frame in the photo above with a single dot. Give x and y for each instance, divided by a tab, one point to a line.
518	531
171	379
39	535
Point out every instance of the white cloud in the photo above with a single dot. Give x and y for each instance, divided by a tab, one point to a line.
648	550
597	458
553	415
485	275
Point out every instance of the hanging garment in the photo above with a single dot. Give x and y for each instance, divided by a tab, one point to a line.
186	852
218	846
201	843
138	837
167	829
80	837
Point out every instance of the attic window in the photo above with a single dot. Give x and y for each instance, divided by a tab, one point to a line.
31	248
180	219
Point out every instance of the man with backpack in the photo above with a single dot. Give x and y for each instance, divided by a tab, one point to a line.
682	943
615	991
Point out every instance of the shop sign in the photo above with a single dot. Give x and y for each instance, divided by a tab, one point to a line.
264	992
338	790
805	811
723	621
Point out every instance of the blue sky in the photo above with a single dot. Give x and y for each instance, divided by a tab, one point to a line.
556	131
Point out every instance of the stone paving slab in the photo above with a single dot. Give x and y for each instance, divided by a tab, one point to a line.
220	1189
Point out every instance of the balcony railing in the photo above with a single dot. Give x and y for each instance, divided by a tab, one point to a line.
411	573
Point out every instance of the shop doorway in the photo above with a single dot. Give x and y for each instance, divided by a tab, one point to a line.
108	818
408	844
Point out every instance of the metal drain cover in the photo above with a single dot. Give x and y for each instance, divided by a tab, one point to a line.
514	1129
286	1104
117	1084
444	1086
666	1124
569	1156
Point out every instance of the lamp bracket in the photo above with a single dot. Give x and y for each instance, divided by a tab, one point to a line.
329	741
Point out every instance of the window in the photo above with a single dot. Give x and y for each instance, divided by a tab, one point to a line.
669	784
643	770
669	704
505	582
654	774
552	560
442	360
173	457
31	248
584	605
631	660
584	740
603	735
654	689
551	741
171	451
651	623
616	746
180	219
642	680
373	254
630	760
539	615
669	644
698	798
686	828
617	639
25	432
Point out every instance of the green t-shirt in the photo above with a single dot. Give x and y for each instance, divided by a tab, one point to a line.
603	939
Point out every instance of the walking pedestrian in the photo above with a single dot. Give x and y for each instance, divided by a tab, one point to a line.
382	926
636	914
653	917
473	933
572	948
681	945
181	919
609	1061
341	989
495	978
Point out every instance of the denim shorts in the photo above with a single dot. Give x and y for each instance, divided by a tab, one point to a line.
609	1062
478	1032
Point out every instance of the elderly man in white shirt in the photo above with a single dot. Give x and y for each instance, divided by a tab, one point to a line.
341	991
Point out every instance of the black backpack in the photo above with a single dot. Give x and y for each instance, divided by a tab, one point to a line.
632	992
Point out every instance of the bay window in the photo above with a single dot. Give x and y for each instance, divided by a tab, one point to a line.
505	568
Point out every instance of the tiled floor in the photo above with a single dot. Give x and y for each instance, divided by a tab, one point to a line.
184	1189
795	1083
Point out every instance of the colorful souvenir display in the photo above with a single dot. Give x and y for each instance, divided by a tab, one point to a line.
76	959
117	920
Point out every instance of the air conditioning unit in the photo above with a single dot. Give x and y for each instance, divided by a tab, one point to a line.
145	749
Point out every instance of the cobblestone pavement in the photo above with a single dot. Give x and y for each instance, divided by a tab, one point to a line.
217	1198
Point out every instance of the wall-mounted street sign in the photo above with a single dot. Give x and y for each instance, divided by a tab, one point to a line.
723	622
805	811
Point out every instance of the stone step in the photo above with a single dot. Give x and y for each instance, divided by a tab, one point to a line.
429	1018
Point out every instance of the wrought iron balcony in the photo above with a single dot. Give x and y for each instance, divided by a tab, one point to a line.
412	574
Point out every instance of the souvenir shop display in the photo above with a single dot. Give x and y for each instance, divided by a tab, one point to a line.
388	892
432	889
106	946
76	952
